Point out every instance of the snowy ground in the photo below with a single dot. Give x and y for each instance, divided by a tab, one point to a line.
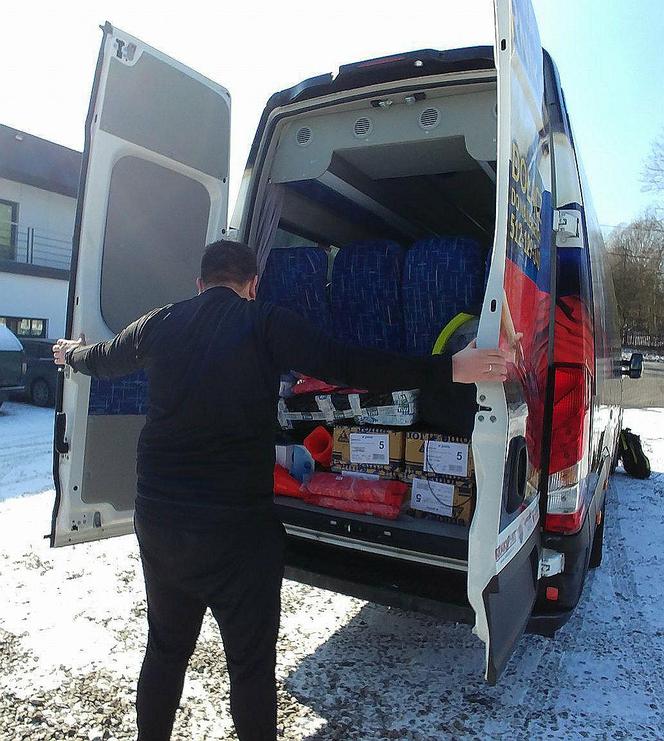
72	625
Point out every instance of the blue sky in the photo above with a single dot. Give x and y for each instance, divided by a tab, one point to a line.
610	56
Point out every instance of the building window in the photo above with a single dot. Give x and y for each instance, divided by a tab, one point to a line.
25	327
8	229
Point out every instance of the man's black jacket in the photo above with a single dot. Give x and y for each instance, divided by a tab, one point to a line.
213	364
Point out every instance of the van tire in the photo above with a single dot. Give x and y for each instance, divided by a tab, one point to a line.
598	543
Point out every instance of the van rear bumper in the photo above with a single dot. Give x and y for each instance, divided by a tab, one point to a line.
389	581
548	615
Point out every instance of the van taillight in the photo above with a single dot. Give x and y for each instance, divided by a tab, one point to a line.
568	460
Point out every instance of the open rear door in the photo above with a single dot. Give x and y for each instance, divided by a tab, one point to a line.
504	545
153	192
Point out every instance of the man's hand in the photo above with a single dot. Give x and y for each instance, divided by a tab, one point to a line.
472	365
62	346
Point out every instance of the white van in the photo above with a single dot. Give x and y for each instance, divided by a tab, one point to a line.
447	148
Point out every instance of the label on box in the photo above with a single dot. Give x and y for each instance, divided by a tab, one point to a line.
369	448
446	458
432	496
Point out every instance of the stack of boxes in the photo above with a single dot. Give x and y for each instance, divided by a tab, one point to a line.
440	471
438	467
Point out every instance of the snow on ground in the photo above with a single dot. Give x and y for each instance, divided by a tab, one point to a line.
26	435
72	630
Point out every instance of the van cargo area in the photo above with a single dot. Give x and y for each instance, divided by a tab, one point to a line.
375	221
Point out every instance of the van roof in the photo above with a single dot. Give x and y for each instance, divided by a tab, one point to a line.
375	71
387	69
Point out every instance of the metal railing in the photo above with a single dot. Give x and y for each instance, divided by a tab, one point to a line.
643	341
35	246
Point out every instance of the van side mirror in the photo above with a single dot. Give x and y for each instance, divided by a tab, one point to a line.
634	366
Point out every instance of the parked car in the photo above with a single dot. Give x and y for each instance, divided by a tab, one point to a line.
467	158
12	364
41	375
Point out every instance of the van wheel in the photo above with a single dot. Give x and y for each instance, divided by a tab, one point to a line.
598	543
41	394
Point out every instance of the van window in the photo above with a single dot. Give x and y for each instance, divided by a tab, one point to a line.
156	223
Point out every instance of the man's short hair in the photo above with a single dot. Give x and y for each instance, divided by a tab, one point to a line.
228	263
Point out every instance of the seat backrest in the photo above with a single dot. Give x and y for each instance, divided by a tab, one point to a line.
365	295
442	277
296	278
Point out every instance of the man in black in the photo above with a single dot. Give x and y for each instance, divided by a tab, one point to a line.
207	532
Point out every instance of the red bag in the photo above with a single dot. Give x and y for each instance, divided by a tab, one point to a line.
386	511
351	488
285	484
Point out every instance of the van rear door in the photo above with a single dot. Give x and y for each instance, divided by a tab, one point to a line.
504	543
153	192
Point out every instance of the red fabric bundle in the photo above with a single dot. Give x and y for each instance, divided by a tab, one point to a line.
379	491
362	496
285	484
386	511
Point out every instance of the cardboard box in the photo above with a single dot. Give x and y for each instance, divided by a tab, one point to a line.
368	450
438	455
442	498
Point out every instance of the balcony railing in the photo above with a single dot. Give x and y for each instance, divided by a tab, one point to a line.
32	245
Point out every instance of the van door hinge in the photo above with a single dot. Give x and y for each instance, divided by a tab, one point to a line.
568	227
551	563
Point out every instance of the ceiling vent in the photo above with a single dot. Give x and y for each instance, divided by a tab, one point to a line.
362	127
429	118
303	136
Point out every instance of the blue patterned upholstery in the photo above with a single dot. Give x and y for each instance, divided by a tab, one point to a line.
296	278
365	295
442	277
127	395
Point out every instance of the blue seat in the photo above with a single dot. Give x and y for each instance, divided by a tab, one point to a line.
365	295
442	277
296	278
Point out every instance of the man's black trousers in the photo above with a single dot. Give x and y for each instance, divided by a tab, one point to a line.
235	568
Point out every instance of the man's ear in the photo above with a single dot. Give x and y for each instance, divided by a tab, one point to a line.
200	285
253	288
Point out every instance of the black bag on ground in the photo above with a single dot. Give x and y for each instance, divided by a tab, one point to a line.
634	460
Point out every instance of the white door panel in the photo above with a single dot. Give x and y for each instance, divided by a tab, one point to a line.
504	543
154	191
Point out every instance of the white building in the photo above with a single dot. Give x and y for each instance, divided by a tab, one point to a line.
38	186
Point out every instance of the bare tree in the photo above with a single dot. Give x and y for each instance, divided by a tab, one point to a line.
652	176
637	260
